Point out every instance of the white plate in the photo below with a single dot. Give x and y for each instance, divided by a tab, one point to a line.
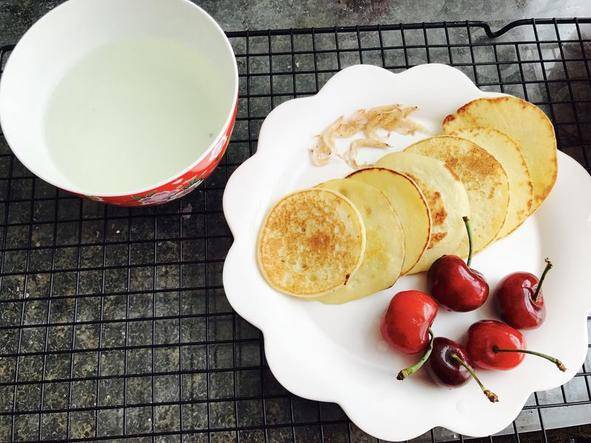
335	353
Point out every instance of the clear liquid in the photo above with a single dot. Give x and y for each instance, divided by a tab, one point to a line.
133	113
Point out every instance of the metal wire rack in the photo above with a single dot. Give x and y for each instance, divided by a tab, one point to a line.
113	321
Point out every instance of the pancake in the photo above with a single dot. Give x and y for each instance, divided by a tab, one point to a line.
384	251
311	242
483	178
445	196
507	152
525	123
409	203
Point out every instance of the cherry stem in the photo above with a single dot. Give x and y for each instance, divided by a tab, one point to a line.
489	394
554	360
407	372
539	287
469	232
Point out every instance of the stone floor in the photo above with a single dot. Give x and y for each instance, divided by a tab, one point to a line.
144	281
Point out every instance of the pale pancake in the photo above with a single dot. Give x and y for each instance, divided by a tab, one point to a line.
384	251
525	123
507	152
446	198
311	242
409	203
483	177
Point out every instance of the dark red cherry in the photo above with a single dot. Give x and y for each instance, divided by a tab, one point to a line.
444	363
519	299
447	363
454	284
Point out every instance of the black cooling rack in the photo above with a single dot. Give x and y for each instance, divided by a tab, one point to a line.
113	321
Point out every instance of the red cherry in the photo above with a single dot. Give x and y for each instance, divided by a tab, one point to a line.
487	335
407	321
454	284
520	301
493	344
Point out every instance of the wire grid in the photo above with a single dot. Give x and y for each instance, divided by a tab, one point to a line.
114	322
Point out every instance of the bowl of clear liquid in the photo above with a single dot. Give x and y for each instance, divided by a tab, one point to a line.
130	102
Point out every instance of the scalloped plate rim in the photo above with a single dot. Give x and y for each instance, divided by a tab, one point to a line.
274	342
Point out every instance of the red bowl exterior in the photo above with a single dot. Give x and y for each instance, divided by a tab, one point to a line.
181	185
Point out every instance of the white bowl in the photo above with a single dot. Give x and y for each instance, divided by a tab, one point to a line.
335	353
157	129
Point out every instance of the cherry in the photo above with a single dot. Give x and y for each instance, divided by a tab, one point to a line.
444	365
407	321
454	284
447	363
520	301
493	344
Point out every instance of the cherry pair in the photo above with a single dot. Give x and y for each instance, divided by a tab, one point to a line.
458	287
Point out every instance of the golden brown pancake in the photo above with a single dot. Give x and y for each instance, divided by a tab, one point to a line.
409	203
483	178
525	123
507	152
384	250
311	242
446	198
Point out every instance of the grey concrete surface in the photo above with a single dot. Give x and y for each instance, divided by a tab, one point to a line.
234	15
104	320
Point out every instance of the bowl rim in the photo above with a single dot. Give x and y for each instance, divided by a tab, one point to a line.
230	112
